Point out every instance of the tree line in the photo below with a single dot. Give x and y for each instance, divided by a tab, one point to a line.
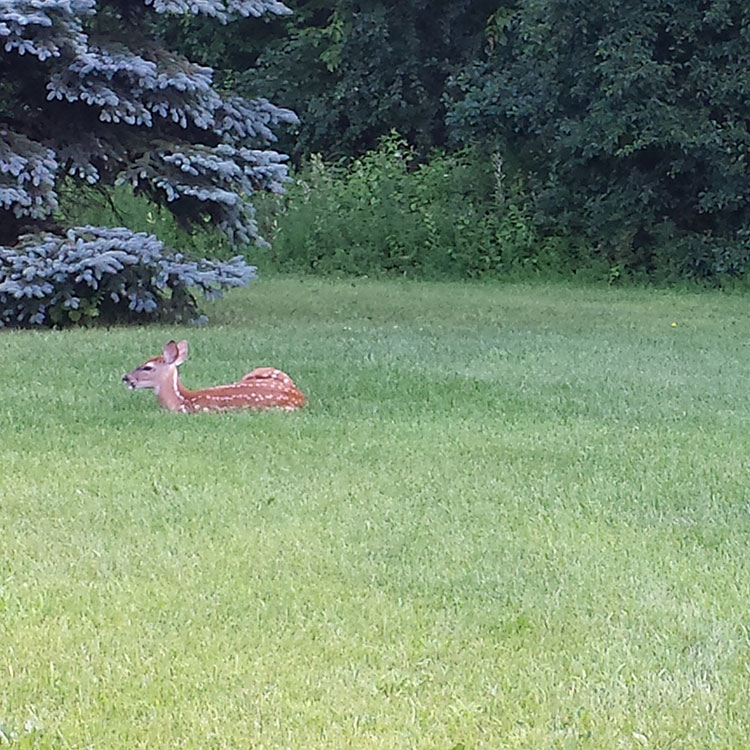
626	122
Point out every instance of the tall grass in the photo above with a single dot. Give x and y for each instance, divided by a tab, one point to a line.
511	517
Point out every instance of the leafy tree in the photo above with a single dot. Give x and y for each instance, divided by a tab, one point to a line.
633	116
352	71
89	93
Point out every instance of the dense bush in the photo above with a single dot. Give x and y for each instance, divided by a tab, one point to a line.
105	274
456	216
634	118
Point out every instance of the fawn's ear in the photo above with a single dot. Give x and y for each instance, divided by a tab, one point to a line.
182	349
174	353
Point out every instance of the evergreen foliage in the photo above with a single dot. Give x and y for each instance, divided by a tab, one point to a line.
107	274
89	93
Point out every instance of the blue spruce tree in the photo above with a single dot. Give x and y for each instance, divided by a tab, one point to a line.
89	92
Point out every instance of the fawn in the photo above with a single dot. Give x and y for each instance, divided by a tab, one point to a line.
263	388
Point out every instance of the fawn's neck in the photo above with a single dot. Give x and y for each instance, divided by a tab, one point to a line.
172	395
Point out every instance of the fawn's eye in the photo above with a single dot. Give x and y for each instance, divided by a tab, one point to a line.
147	367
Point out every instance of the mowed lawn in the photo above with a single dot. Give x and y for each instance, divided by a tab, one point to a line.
510	517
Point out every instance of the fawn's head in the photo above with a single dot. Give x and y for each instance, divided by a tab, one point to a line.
155	371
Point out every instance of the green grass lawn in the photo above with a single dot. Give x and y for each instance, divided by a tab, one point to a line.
510	517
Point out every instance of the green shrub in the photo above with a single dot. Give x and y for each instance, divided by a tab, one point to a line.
456	216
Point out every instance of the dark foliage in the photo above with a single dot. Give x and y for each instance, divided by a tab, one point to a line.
352	71
633	117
